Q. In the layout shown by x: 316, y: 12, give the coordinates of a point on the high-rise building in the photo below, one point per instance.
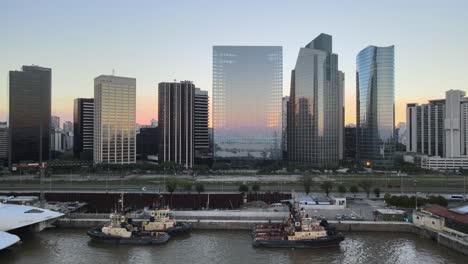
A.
x: 67, y: 127
x: 30, y: 108
x: 201, y: 138
x: 247, y: 93
x: 375, y: 106
x: 147, y: 142
x: 154, y: 123
x: 55, y: 122
x: 350, y: 143
x: 315, y: 119
x: 440, y: 127
x: 83, y: 128
x: 341, y: 117
x: 3, y: 143
x: 114, y: 119
x: 284, y: 123
x: 176, y: 122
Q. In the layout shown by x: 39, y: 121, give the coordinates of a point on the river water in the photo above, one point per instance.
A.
x: 74, y: 246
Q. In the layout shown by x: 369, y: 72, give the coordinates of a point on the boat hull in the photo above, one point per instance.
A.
x: 98, y: 235
x: 329, y: 241
x: 179, y: 229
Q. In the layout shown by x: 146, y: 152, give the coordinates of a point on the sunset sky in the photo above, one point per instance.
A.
x: 156, y: 41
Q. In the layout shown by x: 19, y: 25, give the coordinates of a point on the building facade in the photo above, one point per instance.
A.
x: 176, y: 122
x: 114, y: 120
x: 284, y: 129
x: 83, y: 128
x: 55, y: 122
x: 3, y: 143
x: 375, y: 113
x: 29, y: 114
x: 201, y: 117
x: 350, y: 143
x: 440, y: 127
x: 247, y: 94
x: 315, y: 120
x: 147, y: 142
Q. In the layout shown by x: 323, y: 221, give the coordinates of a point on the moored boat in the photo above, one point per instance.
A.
x: 161, y: 221
x: 120, y: 230
x: 297, y: 232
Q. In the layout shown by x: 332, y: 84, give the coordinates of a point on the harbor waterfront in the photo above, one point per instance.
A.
x: 63, y: 245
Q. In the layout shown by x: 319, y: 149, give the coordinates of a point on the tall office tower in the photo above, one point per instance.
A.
x: 176, y: 122
x: 315, y: 120
x: 201, y: 138
x: 83, y: 128
x: 56, y: 142
x: 341, y: 118
x: 114, y: 119
x: 67, y: 127
x: 375, y: 106
x: 154, y: 123
x: 247, y: 93
x: 30, y: 124
x: 3, y: 143
x: 147, y: 142
x: 55, y: 122
x: 284, y: 124
x: 440, y: 127
x: 350, y: 143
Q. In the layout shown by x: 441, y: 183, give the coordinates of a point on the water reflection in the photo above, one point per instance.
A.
x: 73, y: 246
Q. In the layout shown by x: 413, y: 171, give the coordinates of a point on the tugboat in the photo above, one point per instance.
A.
x: 161, y: 221
x: 121, y: 230
x: 297, y: 232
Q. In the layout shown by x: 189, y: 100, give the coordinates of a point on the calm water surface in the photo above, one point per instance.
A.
x: 73, y: 246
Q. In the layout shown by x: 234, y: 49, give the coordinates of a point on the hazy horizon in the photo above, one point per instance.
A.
x: 156, y: 41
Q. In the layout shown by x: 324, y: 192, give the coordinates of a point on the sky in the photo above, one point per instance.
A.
x: 157, y: 41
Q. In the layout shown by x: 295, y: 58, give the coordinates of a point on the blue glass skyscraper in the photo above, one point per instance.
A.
x: 375, y: 113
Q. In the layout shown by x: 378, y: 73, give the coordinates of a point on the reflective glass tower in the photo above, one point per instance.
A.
x: 315, y: 114
x: 247, y: 94
x: 375, y: 113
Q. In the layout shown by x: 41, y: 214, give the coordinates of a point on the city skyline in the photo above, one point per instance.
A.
x: 421, y: 28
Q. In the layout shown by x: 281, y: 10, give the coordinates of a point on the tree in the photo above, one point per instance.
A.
x: 307, y: 182
x: 354, y: 189
x: 171, y: 186
x: 255, y: 189
x: 243, y: 189
x: 187, y: 185
x: 377, y: 192
x: 326, y: 186
x: 200, y: 187
x: 342, y: 189
x: 366, y: 186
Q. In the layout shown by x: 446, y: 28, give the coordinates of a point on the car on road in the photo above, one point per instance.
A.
x: 353, y: 217
x: 338, y: 217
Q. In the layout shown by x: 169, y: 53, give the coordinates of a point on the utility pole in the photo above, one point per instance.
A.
x: 415, y: 195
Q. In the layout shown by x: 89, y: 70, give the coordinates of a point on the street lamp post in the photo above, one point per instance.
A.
x: 415, y: 194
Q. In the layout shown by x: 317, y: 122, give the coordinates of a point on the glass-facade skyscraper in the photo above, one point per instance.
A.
x: 315, y: 114
x: 114, y: 119
x: 375, y: 113
x: 30, y: 108
x: 247, y: 95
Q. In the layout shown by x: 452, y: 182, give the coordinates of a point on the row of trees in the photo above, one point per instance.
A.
x: 405, y: 201
x: 327, y: 187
